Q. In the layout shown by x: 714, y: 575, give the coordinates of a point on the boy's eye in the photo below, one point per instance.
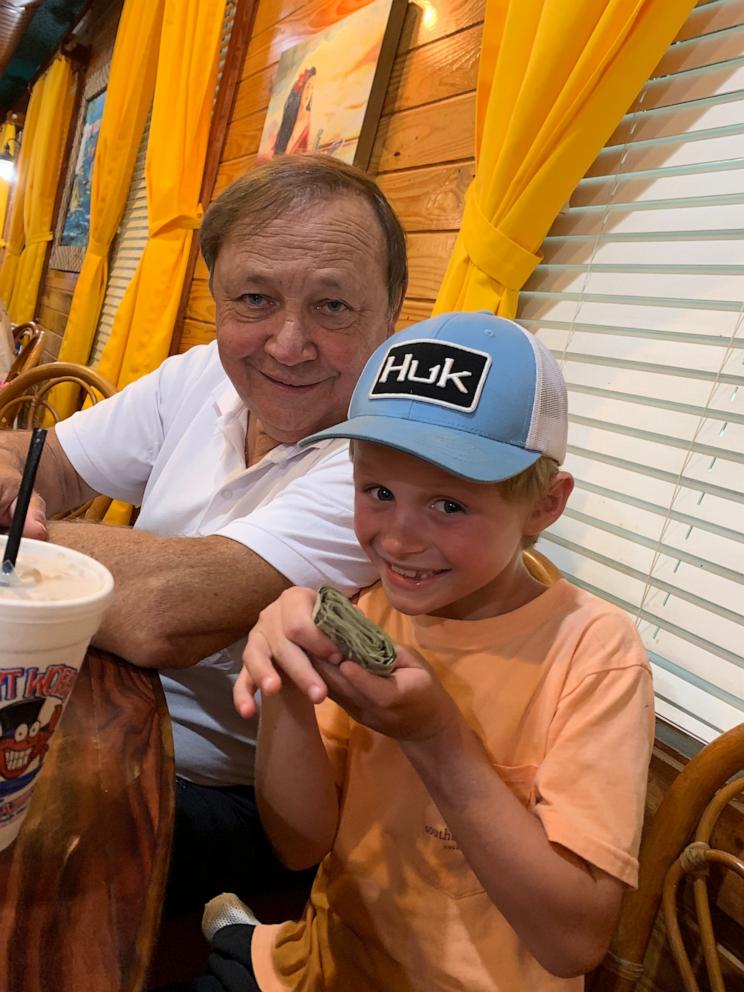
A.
x: 381, y: 493
x: 448, y: 506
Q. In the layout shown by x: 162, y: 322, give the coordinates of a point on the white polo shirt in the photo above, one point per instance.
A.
x: 173, y: 443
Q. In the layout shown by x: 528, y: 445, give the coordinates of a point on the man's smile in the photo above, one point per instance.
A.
x: 294, y: 386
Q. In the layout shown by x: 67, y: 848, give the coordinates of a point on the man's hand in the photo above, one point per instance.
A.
x: 10, y: 481
x: 409, y: 705
x: 58, y: 486
x: 284, y: 640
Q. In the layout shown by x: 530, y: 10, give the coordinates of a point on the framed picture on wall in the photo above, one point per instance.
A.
x: 73, y: 222
x: 329, y: 90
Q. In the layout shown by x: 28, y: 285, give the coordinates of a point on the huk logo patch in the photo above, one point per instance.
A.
x: 434, y: 372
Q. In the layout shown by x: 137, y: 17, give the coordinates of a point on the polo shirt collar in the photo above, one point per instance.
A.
x: 233, y: 420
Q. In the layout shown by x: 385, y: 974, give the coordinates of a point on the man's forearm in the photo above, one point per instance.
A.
x: 176, y: 599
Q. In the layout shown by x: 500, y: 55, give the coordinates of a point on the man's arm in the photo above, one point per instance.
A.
x: 176, y: 599
x: 58, y: 486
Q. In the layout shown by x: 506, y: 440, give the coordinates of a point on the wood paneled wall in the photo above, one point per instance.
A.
x: 423, y: 151
x: 98, y: 30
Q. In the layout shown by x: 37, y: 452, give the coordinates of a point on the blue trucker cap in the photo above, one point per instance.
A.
x: 472, y: 393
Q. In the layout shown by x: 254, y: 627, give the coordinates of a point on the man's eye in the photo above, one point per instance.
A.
x: 254, y: 299
x: 381, y: 493
x: 448, y: 506
x: 333, y: 307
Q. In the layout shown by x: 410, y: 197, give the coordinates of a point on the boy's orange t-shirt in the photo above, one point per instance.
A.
x: 559, y: 692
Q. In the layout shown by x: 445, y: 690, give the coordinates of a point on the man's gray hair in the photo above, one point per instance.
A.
x: 273, y: 188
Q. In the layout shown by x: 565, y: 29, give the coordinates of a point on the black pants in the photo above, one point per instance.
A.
x: 219, y: 846
x: 230, y: 968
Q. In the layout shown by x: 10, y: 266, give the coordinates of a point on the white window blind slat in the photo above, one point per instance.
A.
x: 669, y: 153
x: 704, y: 49
x: 695, y: 84
x: 693, y: 706
x: 627, y: 312
x: 637, y: 282
x: 709, y: 17
x: 641, y: 299
x: 703, y: 184
x: 674, y: 255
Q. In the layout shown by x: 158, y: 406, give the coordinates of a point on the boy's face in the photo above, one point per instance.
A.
x: 443, y: 546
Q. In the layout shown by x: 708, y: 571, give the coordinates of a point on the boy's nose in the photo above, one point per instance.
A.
x: 402, y: 539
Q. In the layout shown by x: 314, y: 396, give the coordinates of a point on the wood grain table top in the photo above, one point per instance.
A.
x: 81, y: 889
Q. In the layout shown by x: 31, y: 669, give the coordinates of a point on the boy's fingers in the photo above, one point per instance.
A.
x: 359, y: 687
x: 406, y: 658
x: 311, y: 639
x: 257, y: 661
x: 373, y: 688
x: 296, y: 665
x: 339, y: 687
x: 262, y: 661
x: 243, y: 693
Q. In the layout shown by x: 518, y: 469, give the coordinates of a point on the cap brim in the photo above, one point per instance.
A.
x: 470, y: 456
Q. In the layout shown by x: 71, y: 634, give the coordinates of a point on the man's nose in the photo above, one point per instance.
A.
x: 290, y: 344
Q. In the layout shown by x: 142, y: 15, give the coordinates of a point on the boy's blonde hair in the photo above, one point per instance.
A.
x: 529, y: 487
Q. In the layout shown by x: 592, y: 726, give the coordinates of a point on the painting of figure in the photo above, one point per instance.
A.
x: 77, y: 219
x: 328, y: 91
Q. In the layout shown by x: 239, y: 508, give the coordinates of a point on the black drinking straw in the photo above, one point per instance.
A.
x: 24, y: 498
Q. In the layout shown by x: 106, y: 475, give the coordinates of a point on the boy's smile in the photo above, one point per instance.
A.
x: 444, y: 546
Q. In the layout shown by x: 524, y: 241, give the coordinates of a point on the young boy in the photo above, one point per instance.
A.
x: 478, y: 813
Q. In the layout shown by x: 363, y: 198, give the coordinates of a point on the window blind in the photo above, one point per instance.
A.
x: 641, y: 299
x: 126, y: 251
x: 132, y: 235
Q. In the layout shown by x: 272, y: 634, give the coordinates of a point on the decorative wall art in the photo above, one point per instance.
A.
x: 73, y: 221
x: 329, y: 90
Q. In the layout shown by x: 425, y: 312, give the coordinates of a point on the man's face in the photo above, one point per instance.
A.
x: 301, y: 305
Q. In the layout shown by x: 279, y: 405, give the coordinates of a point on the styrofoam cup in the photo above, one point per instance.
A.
x: 42, y: 646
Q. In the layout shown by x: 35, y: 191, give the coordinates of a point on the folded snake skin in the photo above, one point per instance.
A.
x: 354, y: 635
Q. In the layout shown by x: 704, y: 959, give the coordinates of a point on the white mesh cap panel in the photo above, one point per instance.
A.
x: 549, y: 423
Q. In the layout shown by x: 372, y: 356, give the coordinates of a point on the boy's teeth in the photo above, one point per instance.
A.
x: 410, y: 573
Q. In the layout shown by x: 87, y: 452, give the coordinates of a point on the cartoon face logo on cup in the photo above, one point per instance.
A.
x: 30, y: 708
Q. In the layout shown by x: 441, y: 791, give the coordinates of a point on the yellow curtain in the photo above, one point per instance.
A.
x: 177, y: 147
x: 7, y: 140
x: 15, y: 240
x: 554, y: 80
x: 129, y: 96
x: 176, y: 151
x: 45, y: 167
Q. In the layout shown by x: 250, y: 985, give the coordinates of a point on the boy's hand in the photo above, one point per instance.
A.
x: 279, y: 651
x: 409, y: 705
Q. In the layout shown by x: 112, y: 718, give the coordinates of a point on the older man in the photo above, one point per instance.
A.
x: 307, y: 269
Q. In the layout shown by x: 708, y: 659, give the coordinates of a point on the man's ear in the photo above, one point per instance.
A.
x: 550, y: 506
